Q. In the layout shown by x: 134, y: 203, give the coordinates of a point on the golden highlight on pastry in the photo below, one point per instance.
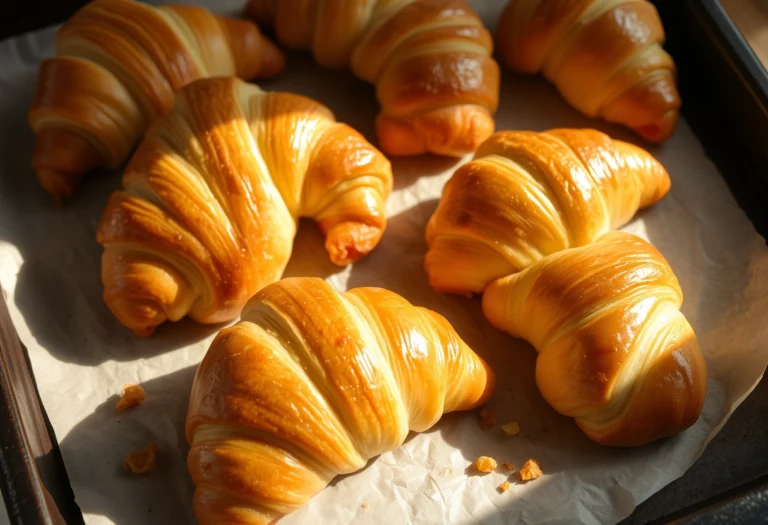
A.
x: 605, y: 57
x: 430, y: 61
x: 526, y: 195
x: 311, y: 384
x: 117, y: 66
x: 212, y: 197
x: 615, y: 352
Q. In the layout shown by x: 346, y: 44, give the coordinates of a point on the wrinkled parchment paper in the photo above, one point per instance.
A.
x: 49, y: 271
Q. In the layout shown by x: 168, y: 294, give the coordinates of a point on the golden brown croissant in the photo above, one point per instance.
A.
x: 604, y: 56
x: 117, y: 66
x: 312, y: 384
x: 615, y: 353
x: 213, y: 195
x: 429, y: 59
x: 528, y: 194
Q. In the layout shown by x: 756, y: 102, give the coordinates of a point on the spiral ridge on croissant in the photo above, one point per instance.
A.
x: 117, y: 66
x: 212, y: 197
x: 430, y: 60
x: 312, y: 384
x: 528, y: 194
x: 604, y: 56
x: 615, y: 352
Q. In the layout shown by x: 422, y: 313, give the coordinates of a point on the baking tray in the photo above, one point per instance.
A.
x: 725, y: 92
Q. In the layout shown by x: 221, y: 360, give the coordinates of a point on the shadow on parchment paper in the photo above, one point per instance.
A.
x: 94, y: 451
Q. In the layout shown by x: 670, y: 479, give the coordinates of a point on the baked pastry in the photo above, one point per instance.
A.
x: 312, y: 384
x: 604, y: 57
x: 213, y: 194
x: 615, y: 352
x: 430, y: 61
x: 529, y: 194
x: 117, y: 66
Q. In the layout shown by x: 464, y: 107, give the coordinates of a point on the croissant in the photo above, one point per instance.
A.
x: 117, y: 66
x: 605, y: 57
x: 528, y: 194
x: 213, y: 194
x: 615, y: 353
x: 312, y: 384
x: 430, y: 61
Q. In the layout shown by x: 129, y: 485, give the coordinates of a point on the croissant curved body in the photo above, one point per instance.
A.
x: 615, y: 353
x: 213, y: 194
x: 604, y: 56
x: 312, y: 384
x: 117, y: 66
x: 430, y: 61
x: 529, y: 194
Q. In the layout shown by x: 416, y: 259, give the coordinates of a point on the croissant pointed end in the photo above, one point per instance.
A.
x: 58, y: 184
x: 349, y: 241
x: 61, y: 158
x: 661, y: 129
x: 255, y: 55
x: 667, y: 401
x: 453, y: 131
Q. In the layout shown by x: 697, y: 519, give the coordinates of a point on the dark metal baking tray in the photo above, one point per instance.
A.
x: 725, y: 92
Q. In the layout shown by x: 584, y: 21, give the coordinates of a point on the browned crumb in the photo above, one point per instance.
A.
x: 364, y: 505
x: 530, y: 470
x: 511, y: 429
x: 142, y: 461
x: 508, y: 466
x: 503, y: 487
x: 488, y: 418
x: 132, y: 396
x: 485, y: 464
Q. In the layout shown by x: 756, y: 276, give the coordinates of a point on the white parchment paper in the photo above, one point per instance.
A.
x: 49, y: 272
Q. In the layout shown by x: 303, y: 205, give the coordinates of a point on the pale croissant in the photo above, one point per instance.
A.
x: 615, y: 352
x: 529, y: 194
x: 604, y: 56
x: 312, y: 384
x: 117, y: 66
x: 430, y: 61
x: 213, y: 195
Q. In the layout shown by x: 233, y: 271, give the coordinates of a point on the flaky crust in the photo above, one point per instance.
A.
x: 312, y: 384
x: 430, y: 61
x: 615, y: 352
x: 117, y: 66
x: 604, y: 56
x: 213, y: 194
x: 528, y: 194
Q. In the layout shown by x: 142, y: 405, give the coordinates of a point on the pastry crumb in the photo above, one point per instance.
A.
x: 446, y: 471
x: 364, y: 505
x: 485, y: 464
x: 512, y: 428
x: 508, y: 466
x: 530, y: 470
x: 131, y: 396
x: 142, y: 461
x: 503, y: 487
x: 488, y: 418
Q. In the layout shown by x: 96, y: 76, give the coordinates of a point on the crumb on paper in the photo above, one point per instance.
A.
x: 487, y: 418
x: 503, y: 487
x: 364, y: 505
x: 512, y: 428
x: 530, y: 470
x: 142, y: 461
x: 508, y: 466
x: 446, y: 471
x: 131, y: 396
x: 485, y: 464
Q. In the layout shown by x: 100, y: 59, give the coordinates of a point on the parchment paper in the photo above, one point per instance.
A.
x: 49, y: 271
